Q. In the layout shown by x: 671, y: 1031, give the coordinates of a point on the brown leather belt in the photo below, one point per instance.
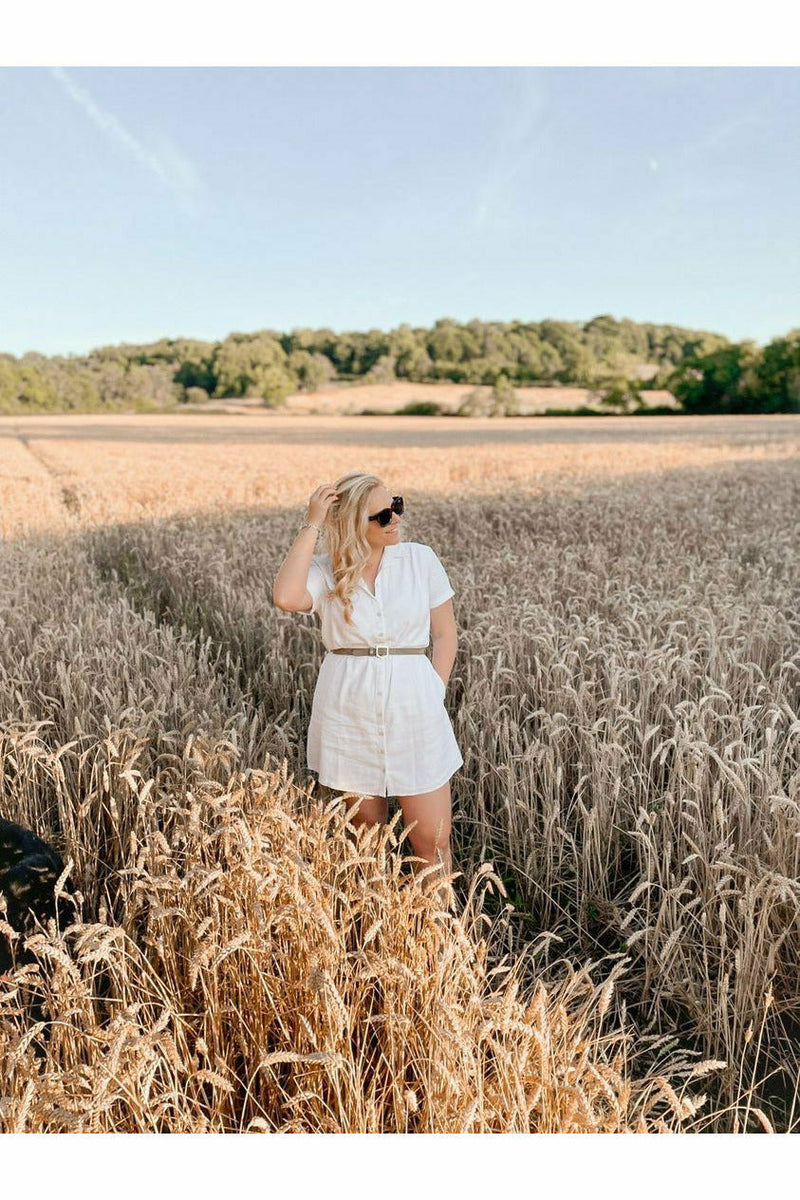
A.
x: 380, y: 651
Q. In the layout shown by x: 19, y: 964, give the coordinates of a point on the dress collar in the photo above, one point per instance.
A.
x: 391, y: 554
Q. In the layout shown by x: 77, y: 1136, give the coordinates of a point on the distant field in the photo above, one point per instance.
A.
x: 343, y: 399
x: 626, y: 825
x: 65, y: 472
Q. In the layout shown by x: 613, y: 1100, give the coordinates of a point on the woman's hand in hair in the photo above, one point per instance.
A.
x: 320, y: 501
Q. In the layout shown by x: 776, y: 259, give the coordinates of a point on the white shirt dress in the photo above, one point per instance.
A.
x: 378, y: 723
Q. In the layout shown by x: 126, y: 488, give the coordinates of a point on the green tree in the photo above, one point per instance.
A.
x: 777, y: 375
x: 313, y: 370
x: 622, y: 394
x: 343, y: 353
x: 503, y: 398
x: 382, y: 370
x: 253, y: 366
x: 273, y: 384
x: 722, y: 381
x: 407, y: 347
x: 444, y: 342
x: 372, y: 347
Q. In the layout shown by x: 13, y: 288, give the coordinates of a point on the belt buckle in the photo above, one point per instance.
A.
x: 385, y: 646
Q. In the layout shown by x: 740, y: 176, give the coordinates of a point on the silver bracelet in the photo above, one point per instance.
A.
x: 309, y: 525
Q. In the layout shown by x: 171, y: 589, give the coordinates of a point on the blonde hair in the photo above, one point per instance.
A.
x: 345, y: 530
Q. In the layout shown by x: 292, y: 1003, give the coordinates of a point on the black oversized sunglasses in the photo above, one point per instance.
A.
x: 385, y: 515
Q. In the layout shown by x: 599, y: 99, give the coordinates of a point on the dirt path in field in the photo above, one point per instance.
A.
x: 32, y: 494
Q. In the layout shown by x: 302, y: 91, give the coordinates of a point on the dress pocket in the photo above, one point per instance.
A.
x: 439, y: 680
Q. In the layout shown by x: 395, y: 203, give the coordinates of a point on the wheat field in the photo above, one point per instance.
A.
x: 624, y: 955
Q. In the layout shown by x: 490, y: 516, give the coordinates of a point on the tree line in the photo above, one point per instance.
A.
x: 618, y: 358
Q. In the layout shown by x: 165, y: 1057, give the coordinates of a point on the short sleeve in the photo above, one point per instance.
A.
x: 317, y: 585
x: 439, y: 588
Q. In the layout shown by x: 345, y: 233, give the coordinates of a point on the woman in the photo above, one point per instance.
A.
x: 378, y: 725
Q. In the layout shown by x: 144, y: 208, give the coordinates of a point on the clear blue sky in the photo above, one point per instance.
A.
x: 137, y: 203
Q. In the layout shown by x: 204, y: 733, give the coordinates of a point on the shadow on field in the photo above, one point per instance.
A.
x: 414, y: 432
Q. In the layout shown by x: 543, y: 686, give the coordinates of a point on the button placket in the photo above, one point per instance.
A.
x: 382, y: 678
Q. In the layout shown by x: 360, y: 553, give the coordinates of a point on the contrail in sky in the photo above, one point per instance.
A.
x: 176, y: 172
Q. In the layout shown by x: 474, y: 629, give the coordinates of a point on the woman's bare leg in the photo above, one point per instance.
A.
x: 372, y: 810
x: 430, y: 837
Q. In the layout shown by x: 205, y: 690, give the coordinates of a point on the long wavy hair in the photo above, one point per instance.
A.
x: 345, y: 531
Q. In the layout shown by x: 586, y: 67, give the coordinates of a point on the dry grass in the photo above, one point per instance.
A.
x: 627, y: 700
x: 269, y: 970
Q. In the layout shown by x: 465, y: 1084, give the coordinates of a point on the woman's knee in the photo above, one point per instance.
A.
x: 430, y: 835
x: 430, y: 845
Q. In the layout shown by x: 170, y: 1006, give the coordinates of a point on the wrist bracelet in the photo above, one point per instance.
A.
x: 309, y: 525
